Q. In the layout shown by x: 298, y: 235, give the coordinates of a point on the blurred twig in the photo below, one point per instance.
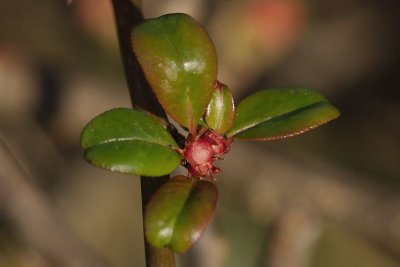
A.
x: 335, y: 194
x: 36, y: 219
x: 295, y: 233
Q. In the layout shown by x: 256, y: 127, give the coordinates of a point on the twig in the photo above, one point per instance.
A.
x: 332, y: 193
x: 36, y: 219
x: 295, y: 233
x: 127, y: 14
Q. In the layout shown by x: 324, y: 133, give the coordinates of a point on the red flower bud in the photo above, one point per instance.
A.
x: 201, y: 151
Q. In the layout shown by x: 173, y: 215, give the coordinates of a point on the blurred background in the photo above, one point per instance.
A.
x: 328, y: 198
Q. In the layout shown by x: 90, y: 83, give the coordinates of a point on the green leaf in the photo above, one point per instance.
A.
x: 129, y: 141
x: 179, y: 212
x: 221, y: 109
x: 280, y: 113
x: 180, y: 63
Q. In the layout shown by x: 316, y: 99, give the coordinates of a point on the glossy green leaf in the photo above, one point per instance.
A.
x: 180, y: 63
x: 179, y: 212
x: 129, y: 141
x: 221, y: 109
x: 280, y: 113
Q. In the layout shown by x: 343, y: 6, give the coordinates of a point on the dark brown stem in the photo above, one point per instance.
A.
x: 127, y: 15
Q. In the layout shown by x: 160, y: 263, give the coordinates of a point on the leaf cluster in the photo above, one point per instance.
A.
x: 180, y: 63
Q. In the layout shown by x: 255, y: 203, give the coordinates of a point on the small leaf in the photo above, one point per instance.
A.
x: 179, y: 212
x: 221, y: 109
x: 280, y: 113
x: 180, y: 63
x: 129, y: 141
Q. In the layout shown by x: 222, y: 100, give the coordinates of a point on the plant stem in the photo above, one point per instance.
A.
x: 127, y: 15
